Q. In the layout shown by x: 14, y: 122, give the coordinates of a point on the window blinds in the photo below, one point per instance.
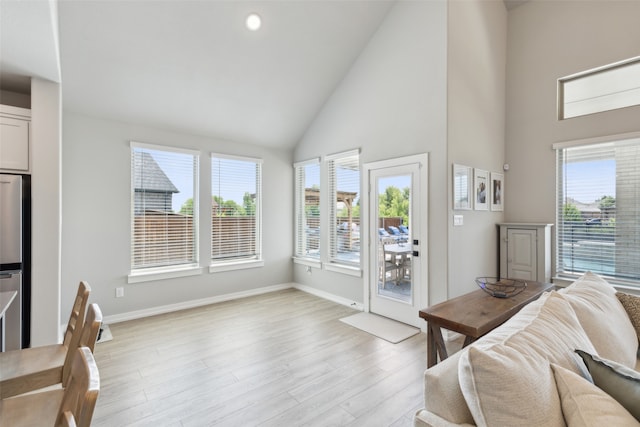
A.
x: 598, y: 214
x: 163, y: 219
x: 236, y: 229
x: 307, y: 207
x: 344, y: 207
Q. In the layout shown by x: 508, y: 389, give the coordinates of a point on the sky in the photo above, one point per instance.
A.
x: 599, y: 177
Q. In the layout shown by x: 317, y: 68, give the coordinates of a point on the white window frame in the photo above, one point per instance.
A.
x: 145, y: 274
x: 334, y: 262
x: 605, y: 88
x: 560, y: 147
x: 242, y: 262
x: 300, y: 217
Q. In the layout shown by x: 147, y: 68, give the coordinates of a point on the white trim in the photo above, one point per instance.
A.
x: 599, y: 69
x: 308, y: 262
x: 145, y: 145
x: 236, y: 265
x: 314, y: 161
x: 153, y: 311
x: 164, y: 273
x: 331, y: 297
x: 351, y: 270
x: 233, y: 157
x: 348, y: 153
x: 596, y: 140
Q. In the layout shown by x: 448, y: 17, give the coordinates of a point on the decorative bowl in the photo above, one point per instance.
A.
x: 501, y: 288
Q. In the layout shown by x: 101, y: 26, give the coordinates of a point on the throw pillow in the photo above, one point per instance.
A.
x: 505, y: 376
x: 585, y: 405
x: 603, y: 318
x: 620, y: 382
x: 631, y: 304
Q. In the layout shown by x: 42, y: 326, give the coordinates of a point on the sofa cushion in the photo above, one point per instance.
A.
x: 603, y: 318
x: 442, y: 393
x: 631, y: 304
x: 505, y: 377
x: 585, y: 405
x: 620, y: 382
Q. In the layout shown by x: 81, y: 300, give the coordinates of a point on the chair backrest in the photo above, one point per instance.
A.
x: 91, y: 328
x: 81, y: 393
x: 76, y: 319
x: 66, y: 420
x: 88, y: 336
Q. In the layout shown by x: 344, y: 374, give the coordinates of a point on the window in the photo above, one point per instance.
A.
x: 344, y: 207
x: 598, y: 213
x: 307, y: 206
x: 164, y: 220
x: 603, y: 89
x: 236, y: 228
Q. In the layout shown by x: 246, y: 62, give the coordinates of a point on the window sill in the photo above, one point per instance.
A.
x: 308, y: 262
x: 344, y: 269
x: 235, y: 265
x: 163, y: 273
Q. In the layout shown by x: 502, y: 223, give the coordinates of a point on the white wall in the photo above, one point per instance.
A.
x: 391, y: 104
x: 46, y: 218
x: 476, y: 121
x: 96, y: 214
x: 547, y: 41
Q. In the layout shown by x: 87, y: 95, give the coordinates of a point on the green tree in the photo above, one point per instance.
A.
x: 187, y: 207
x: 394, y: 203
x: 249, y: 204
x: 606, y: 204
x: 571, y: 213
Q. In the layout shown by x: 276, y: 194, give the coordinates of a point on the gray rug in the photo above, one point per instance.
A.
x: 381, y: 327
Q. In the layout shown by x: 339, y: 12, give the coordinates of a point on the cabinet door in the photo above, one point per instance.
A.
x: 521, y: 254
x: 14, y: 144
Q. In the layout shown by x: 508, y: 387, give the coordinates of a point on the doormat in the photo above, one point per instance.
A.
x: 104, y: 334
x: 381, y: 327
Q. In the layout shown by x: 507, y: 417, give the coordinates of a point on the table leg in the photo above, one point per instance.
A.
x: 435, y: 345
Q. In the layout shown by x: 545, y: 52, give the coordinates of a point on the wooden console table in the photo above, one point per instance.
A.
x: 473, y: 315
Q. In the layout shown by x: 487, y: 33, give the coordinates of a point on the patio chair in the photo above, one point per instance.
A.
x: 396, y: 234
x: 49, y: 408
x: 403, y: 229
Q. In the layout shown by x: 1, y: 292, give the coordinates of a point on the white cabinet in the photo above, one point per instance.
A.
x: 525, y: 251
x: 14, y: 138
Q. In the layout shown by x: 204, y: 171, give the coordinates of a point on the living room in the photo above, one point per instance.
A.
x: 470, y: 83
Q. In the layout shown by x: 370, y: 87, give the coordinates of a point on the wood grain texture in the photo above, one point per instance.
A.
x: 279, y: 359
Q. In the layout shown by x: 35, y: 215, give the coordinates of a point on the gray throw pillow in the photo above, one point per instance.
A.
x: 618, y: 381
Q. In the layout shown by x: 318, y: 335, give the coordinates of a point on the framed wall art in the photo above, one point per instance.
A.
x: 497, y: 191
x: 462, y: 187
x: 481, y: 189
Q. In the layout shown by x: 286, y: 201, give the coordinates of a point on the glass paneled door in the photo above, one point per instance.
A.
x: 396, y: 258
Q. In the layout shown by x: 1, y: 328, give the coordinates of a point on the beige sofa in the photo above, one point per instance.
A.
x: 526, y: 372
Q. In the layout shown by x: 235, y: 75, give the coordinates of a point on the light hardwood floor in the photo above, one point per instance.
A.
x: 279, y: 359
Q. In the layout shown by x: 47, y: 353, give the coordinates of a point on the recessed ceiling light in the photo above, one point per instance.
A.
x: 254, y: 22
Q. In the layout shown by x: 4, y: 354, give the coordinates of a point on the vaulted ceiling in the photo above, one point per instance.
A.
x: 191, y: 65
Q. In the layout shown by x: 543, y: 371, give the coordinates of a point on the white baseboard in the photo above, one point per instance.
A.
x: 329, y: 296
x: 138, y: 314
x: 153, y: 311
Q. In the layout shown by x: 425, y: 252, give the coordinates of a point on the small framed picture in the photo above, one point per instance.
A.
x: 481, y: 189
x: 497, y: 191
x: 462, y: 187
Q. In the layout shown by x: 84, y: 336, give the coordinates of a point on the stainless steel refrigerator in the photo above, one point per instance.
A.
x: 13, y: 204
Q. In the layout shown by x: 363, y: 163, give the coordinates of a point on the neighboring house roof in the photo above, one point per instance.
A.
x: 153, y: 178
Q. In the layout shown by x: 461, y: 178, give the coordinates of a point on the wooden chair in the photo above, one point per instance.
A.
x: 75, y: 403
x: 33, y: 368
x: 66, y: 420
